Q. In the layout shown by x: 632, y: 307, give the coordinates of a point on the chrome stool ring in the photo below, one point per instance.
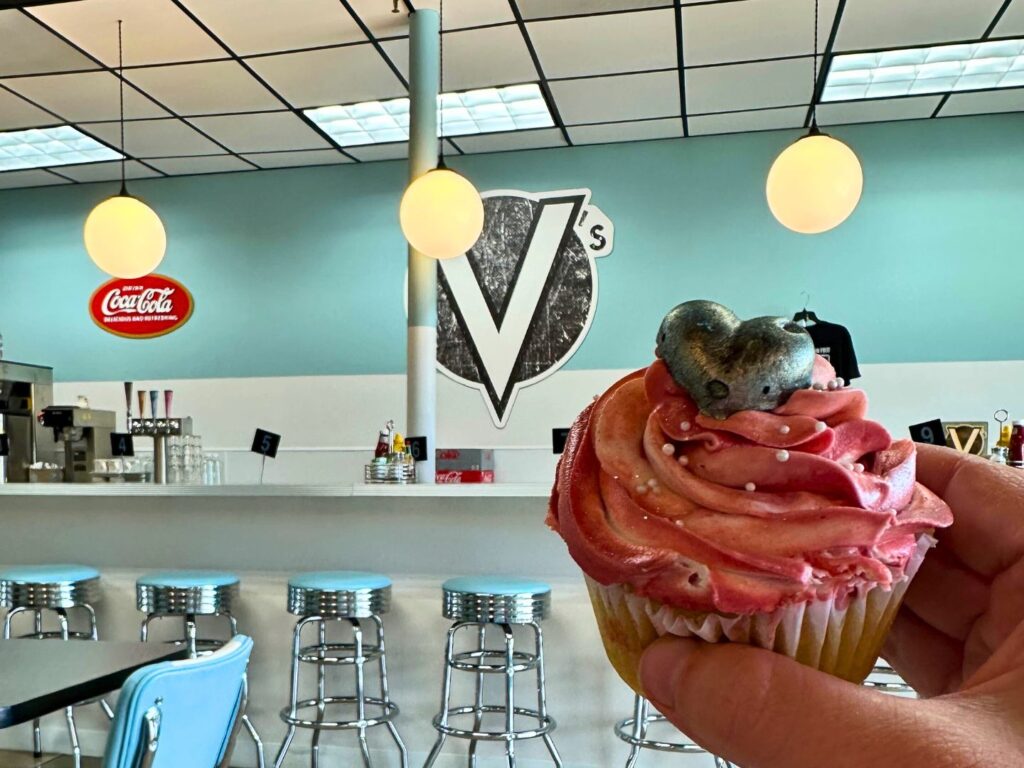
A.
x: 545, y: 724
x: 203, y: 600
x: 388, y: 712
x: 52, y: 595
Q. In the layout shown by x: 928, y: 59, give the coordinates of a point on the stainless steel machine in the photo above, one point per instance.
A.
x: 160, y: 430
x: 85, y: 435
x: 25, y: 390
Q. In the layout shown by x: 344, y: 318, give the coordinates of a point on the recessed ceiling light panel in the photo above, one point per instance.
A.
x: 49, y: 147
x: 487, y: 110
x: 915, y: 71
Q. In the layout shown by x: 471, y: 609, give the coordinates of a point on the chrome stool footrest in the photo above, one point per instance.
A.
x: 545, y: 723
x: 624, y: 730
x: 345, y: 653
x: 388, y: 712
x: 460, y: 661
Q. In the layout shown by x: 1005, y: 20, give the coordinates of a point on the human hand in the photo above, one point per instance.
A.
x: 959, y: 638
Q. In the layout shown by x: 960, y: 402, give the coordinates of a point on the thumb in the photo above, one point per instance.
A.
x: 763, y: 710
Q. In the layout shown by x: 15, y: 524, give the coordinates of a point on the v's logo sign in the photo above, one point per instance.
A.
x: 502, y: 303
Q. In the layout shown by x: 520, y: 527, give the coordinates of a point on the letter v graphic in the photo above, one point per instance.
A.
x: 498, y: 337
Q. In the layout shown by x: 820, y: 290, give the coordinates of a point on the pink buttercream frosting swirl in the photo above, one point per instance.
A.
x: 741, y: 515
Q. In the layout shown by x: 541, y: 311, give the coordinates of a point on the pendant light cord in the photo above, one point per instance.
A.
x: 120, y: 80
x: 440, y: 96
x: 814, y: 81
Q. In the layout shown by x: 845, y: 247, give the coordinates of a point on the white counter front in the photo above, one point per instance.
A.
x: 417, y: 535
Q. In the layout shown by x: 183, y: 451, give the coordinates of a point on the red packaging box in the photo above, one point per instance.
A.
x: 455, y: 476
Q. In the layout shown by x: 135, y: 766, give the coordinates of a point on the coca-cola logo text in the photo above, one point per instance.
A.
x: 141, y: 308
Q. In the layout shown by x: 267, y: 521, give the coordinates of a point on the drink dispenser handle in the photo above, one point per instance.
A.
x: 142, y: 403
x: 153, y: 395
x: 168, y: 400
x: 128, y: 401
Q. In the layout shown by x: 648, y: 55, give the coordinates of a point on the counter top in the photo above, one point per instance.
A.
x: 342, y: 491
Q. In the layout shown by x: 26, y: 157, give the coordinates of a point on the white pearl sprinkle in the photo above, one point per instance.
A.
x: 645, y: 517
x: 782, y: 456
x: 818, y: 387
x: 685, y: 426
x: 819, y: 426
x: 750, y: 487
x: 668, y: 449
x: 833, y: 384
x: 848, y: 465
x: 680, y: 522
x: 652, y: 483
x: 641, y: 489
x: 784, y: 429
x: 683, y: 461
x: 858, y: 467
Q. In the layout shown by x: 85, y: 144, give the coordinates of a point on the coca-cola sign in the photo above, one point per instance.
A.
x: 142, y: 307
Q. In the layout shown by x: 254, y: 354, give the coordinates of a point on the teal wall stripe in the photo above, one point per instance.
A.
x: 300, y: 272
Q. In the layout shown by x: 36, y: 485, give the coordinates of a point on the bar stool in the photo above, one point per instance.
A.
x: 634, y: 731
x: 483, y: 602
x: 884, y: 678
x: 184, y: 596
x: 345, y: 597
x: 59, y: 589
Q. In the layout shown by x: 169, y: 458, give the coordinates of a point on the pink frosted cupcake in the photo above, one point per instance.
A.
x: 734, y: 491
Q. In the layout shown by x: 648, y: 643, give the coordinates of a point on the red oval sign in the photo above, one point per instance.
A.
x: 141, y: 308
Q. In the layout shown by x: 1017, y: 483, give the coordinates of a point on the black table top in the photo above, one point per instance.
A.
x: 38, y: 677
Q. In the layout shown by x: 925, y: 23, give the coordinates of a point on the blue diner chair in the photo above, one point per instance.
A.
x: 181, y: 713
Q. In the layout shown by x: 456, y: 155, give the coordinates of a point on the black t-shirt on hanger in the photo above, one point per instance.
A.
x: 833, y: 342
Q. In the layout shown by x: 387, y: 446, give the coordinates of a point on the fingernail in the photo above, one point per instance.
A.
x: 659, y: 668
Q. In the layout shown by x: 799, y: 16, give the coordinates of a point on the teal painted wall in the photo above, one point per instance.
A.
x: 300, y: 271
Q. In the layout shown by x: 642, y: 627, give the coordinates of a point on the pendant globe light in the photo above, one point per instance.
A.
x: 815, y: 183
x: 123, y: 236
x: 441, y: 213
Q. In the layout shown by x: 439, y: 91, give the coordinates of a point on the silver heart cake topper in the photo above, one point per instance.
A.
x: 729, y: 365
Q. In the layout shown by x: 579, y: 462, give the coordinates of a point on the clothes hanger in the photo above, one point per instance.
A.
x: 805, y: 316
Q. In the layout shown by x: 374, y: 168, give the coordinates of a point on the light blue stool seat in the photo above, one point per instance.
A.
x: 345, y: 594
x: 48, y: 586
x: 186, y: 592
x: 496, y: 599
x: 181, y: 713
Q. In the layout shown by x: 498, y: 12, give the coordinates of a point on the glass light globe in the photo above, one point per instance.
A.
x: 124, y: 237
x: 814, y: 184
x: 442, y: 214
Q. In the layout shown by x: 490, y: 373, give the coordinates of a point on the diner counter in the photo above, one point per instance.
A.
x: 419, y: 535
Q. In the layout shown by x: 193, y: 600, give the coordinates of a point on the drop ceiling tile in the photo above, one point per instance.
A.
x: 671, y: 128
x: 373, y: 152
x: 155, y: 31
x: 762, y: 29
x: 877, y: 110
x: 1011, y: 100
x: 539, y: 9
x: 888, y: 24
x: 155, y: 138
x: 739, y: 122
x: 625, y: 97
x: 262, y: 26
x: 84, y: 96
x: 476, y: 58
x: 264, y: 132
x: 458, y: 14
x: 595, y: 45
x: 107, y: 171
x: 15, y: 112
x: 293, y: 159
x: 333, y: 76
x: 1012, y: 22
x: 204, y: 89
x: 504, y: 142
x: 181, y: 166
x: 748, y: 86
x: 34, y: 178
x: 30, y: 49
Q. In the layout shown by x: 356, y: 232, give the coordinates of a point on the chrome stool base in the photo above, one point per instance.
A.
x: 633, y: 731
x: 60, y: 608
x: 324, y: 654
x: 482, y: 661
x: 159, y: 598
